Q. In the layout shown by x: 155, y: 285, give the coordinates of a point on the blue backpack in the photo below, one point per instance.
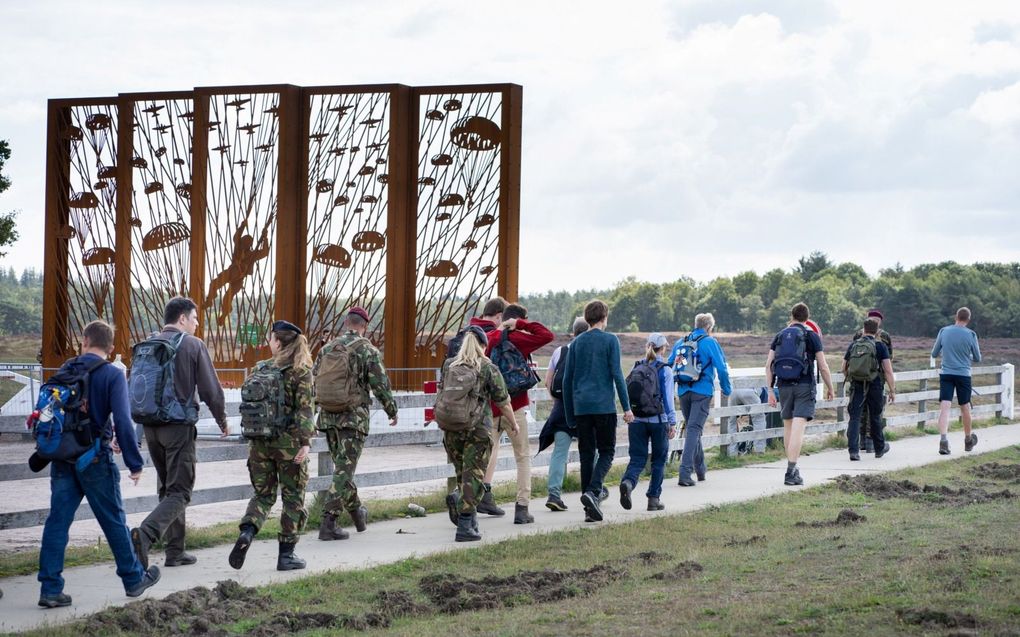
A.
x: 513, y: 366
x: 60, y: 424
x: 151, y: 384
x: 791, y: 360
x: 686, y: 363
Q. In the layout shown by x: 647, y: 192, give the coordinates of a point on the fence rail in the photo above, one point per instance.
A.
x: 997, y: 397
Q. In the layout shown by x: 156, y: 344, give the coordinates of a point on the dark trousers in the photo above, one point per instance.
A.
x: 595, y: 433
x: 172, y: 451
x: 100, y: 483
x: 695, y: 408
x: 865, y: 395
x: 641, y: 435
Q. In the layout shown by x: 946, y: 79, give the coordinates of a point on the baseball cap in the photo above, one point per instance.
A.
x: 657, y: 340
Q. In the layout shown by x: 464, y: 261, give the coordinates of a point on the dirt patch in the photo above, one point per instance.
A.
x: 194, y: 611
x: 965, y: 551
x: 681, y: 571
x: 754, y: 539
x: 452, y: 594
x: 929, y: 618
x: 647, y: 557
x: 846, y: 517
x: 883, y: 488
x: 287, y: 622
x: 400, y: 603
x: 997, y: 471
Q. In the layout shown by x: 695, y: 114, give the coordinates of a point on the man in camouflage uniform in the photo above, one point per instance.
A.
x: 346, y: 431
x: 867, y: 445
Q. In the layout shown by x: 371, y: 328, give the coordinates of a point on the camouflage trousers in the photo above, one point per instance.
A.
x: 345, y: 445
x: 269, y: 468
x: 468, y: 451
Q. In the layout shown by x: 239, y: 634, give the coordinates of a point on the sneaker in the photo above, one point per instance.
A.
x: 854, y: 455
x: 793, y: 478
x: 184, y: 559
x: 148, y: 580
x: 591, y: 506
x: 554, y: 503
x: 885, y: 450
x: 686, y: 482
x: 54, y: 601
x: 625, y: 490
x: 701, y: 477
x: 944, y: 448
x: 588, y: 518
x: 604, y: 494
x: 969, y: 442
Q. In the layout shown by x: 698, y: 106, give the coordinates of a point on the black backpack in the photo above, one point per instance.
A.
x: 556, y: 391
x: 151, y: 384
x: 643, y: 389
x: 60, y: 424
x: 515, y: 368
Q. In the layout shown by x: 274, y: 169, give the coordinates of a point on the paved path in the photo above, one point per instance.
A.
x: 96, y: 587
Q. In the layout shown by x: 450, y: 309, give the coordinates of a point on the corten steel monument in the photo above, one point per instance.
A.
x: 282, y: 201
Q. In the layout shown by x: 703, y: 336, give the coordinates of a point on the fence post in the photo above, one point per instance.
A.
x: 921, y: 406
x: 1007, y: 379
x: 724, y: 425
x: 840, y: 393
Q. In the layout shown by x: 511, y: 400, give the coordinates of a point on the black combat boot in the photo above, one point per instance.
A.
x: 287, y: 561
x: 329, y: 530
x: 241, y: 546
x: 360, y: 518
x: 488, y: 504
x: 521, y: 515
x: 466, y: 531
x: 453, y: 506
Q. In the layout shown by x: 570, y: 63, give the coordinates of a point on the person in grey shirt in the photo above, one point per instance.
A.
x: 746, y: 396
x: 958, y: 345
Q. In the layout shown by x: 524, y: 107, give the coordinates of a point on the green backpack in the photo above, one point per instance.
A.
x: 862, y: 366
x: 459, y: 403
x: 263, y: 403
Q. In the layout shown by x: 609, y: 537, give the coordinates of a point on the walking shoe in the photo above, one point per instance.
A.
x: 701, y: 477
x: 465, y: 531
x: 141, y: 543
x: 488, y: 506
x: 885, y: 450
x: 148, y: 580
x: 588, y: 518
x: 287, y: 561
x: 793, y: 478
x: 869, y: 446
x: 453, y: 506
x: 944, y: 448
x: 969, y: 442
x: 54, y: 601
x: 686, y: 482
x: 329, y: 530
x: 241, y: 546
x: 591, y: 506
x: 604, y: 494
x: 655, y: 505
x: 625, y: 490
x: 360, y: 518
x: 554, y: 503
x: 854, y: 455
x: 521, y: 515
x: 184, y: 559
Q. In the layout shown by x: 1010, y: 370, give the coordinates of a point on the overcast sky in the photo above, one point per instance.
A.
x: 661, y: 139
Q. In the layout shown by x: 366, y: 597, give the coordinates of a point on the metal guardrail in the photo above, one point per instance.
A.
x: 999, y: 395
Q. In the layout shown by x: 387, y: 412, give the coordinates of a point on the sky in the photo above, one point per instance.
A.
x: 695, y: 138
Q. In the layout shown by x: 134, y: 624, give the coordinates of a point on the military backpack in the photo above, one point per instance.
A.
x: 338, y: 377
x: 264, y: 403
x: 862, y: 365
x: 459, y: 402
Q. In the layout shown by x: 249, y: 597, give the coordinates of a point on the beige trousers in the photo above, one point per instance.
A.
x: 522, y: 452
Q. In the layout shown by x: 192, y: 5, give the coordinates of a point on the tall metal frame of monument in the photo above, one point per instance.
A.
x: 279, y: 201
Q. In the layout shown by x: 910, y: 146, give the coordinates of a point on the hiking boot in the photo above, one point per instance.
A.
x: 329, y: 530
x: 554, y: 503
x: 148, y: 581
x: 793, y: 478
x: 885, y: 450
x: 184, y: 559
x: 655, y: 505
x: 591, y: 506
x: 604, y: 494
x: 969, y: 442
x: 854, y: 455
x: 54, y: 601
x: 944, y: 448
x: 466, y: 532
x: 287, y: 561
x: 686, y: 482
x: 360, y: 518
x: 453, y: 506
x: 241, y: 546
x: 488, y: 506
x: 521, y: 515
x: 625, y: 489
x: 141, y: 542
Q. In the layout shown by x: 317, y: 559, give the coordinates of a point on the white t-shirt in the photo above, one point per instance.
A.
x: 555, y: 358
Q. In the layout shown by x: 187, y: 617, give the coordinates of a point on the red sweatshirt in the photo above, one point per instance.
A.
x: 527, y: 337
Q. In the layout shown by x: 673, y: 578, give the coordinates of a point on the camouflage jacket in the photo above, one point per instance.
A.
x: 373, y: 377
x: 299, y: 392
x: 882, y: 336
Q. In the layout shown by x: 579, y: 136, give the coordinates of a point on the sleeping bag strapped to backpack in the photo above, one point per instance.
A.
x: 643, y: 389
x: 862, y: 365
x: 687, y: 364
x: 151, y: 384
x: 791, y: 359
x: 263, y: 403
x: 60, y: 423
x: 459, y: 403
x: 337, y: 377
x: 513, y: 366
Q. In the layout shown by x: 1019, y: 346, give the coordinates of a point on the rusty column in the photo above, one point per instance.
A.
x: 55, y: 342
x: 122, y: 231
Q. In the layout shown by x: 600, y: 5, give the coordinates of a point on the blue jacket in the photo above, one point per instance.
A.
x: 592, y: 372
x: 666, y: 391
x: 713, y: 362
x: 108, y: 396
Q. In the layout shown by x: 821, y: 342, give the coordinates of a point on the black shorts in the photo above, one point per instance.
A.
x: 950, y: 382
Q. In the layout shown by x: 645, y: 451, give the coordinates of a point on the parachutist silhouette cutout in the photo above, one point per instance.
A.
x: 242, y: 263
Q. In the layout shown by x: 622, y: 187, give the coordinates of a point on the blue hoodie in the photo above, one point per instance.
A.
x: 713, y: 362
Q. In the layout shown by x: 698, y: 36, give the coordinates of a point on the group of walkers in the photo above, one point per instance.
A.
x: 482, y: 394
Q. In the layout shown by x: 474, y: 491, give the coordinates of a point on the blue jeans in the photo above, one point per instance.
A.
x: 639, y: 435
x: 100, y: 483
x: 558, y: 462
x: 695, y: 410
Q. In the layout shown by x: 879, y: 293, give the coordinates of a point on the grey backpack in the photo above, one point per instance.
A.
x: 459, y: 403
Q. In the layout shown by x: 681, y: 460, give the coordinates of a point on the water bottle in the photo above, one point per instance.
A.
x: 415, y: 510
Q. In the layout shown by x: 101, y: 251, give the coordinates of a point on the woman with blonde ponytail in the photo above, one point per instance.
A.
x: 279, y: 457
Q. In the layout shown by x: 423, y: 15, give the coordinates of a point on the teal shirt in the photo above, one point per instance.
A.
x: 959, y: 348
x: 592, y: 373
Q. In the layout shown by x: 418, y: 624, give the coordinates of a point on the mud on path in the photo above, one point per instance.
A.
x: 882, y: 488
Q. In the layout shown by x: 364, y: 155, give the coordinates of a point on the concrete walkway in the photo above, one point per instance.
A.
x: 96, y: 587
